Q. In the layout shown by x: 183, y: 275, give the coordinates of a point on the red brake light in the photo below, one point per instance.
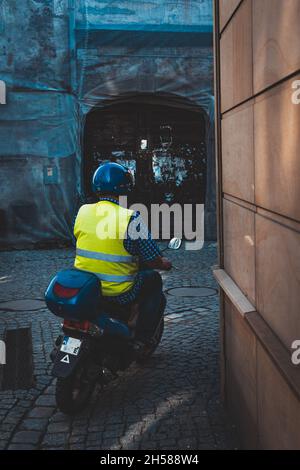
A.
x: 64, y: 292
x: 74, y: 325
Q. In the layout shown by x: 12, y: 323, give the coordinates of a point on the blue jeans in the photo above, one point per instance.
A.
x: 152, y: 303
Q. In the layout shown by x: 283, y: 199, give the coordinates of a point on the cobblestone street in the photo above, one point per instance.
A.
x: 172, y: 402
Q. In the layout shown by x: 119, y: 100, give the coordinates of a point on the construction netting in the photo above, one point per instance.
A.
x: 60, y: 60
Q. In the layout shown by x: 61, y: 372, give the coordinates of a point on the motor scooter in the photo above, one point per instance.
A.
x: 85, y: 351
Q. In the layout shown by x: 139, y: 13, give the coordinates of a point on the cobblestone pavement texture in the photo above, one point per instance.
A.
x: 172, y: 402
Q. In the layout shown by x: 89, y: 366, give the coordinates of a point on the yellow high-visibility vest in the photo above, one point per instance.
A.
x: 100, y: 230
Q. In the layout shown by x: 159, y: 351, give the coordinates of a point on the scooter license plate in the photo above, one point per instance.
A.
x: 71, y: 345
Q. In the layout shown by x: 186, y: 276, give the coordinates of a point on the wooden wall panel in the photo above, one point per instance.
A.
x: 240, y: 347
x: 260, y: 212
x: 278, y: 407
x: 277, y: 144
x: 278, y: 278
x: 239, y: 252
x: 236, y: 58
x: 276, y: 29
x: 227, y: 7
x: 238, y: 153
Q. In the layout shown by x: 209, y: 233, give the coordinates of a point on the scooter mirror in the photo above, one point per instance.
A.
x: 175, y: 244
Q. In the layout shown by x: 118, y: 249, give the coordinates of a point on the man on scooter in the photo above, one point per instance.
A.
x: 104, y: 247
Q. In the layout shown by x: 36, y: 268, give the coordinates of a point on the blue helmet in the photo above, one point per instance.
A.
x: 112, y: 178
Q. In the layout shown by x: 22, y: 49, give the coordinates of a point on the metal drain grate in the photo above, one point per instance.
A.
x: 192, y: 291
x: 18, y: 370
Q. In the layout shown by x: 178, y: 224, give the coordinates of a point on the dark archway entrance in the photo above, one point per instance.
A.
x: 163, y: 145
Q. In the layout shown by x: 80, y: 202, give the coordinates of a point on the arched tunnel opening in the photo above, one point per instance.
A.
x: 161, y: 142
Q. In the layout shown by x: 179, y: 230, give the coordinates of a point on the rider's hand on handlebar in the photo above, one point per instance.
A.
x: 160, y: 263
x: 166, y: 264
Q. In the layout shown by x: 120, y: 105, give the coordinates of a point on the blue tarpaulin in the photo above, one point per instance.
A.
x: 62, y: 58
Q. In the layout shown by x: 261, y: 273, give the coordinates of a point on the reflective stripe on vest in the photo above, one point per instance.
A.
x: 104, y: 256
x: 112, y: 277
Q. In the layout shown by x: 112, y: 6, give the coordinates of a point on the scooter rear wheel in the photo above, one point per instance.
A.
x: 73, y: 392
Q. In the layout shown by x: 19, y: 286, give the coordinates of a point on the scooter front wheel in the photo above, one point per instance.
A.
x: 73, y: 392
x: 150, y: 348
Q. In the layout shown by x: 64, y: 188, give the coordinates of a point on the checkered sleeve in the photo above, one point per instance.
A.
x: 139, y: 241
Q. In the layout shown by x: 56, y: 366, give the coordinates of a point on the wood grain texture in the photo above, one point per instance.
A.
x: 239, y: 247
x: 276, y: 28
x: 238, y: 152
x: 279, y: 354
x: 232, y: 291
x: 241, y: 375
x: 236, y: 58
x: 279, y: 219
x: 261, y: 218
x: 277, y: 144
x: 241, y: 202
x: 227, y: 7
x: 278, y: 407
x: 278, y: 278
